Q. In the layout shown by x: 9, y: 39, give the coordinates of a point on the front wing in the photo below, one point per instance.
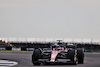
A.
x: 56, y: 61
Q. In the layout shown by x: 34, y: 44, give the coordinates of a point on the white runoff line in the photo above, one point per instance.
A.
x: 7, y: 63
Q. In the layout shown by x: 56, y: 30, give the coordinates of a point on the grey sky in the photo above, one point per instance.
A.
x: 50, y: 18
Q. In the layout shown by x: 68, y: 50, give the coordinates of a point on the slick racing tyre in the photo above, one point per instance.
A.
x: 72, y: 56
x: 80, y: 55
x: 36, y: 55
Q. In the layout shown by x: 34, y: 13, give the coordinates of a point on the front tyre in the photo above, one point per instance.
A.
x: 36, y: 55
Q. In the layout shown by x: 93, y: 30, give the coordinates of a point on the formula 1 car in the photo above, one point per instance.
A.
x: 58, y: 53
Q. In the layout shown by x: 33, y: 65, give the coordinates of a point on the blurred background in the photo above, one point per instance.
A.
x: 26, y: 23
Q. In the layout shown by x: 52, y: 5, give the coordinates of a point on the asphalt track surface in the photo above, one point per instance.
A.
x: 24, y: 59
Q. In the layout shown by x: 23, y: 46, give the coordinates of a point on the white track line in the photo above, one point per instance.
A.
x: 7, y: 63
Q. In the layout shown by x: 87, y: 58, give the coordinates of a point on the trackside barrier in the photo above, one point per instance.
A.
x: 5, y: 48
x: 16, y: 49
x: 87, y: 50
x: 95, y: 50
x: 1, y: 48
x: 29, y: 49
x: 23, y: 48
x: 91, y: 50
x: 26, y: 49
x: 8, y: 48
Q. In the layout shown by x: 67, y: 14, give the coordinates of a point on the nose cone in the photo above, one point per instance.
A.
x: 54, y: 55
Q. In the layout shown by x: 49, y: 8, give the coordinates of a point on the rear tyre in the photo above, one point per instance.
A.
x: 72, y: 56
x: 80, y: 55
x: 36, y: 55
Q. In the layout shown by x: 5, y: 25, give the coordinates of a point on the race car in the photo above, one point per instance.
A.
x: 58, y: 53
